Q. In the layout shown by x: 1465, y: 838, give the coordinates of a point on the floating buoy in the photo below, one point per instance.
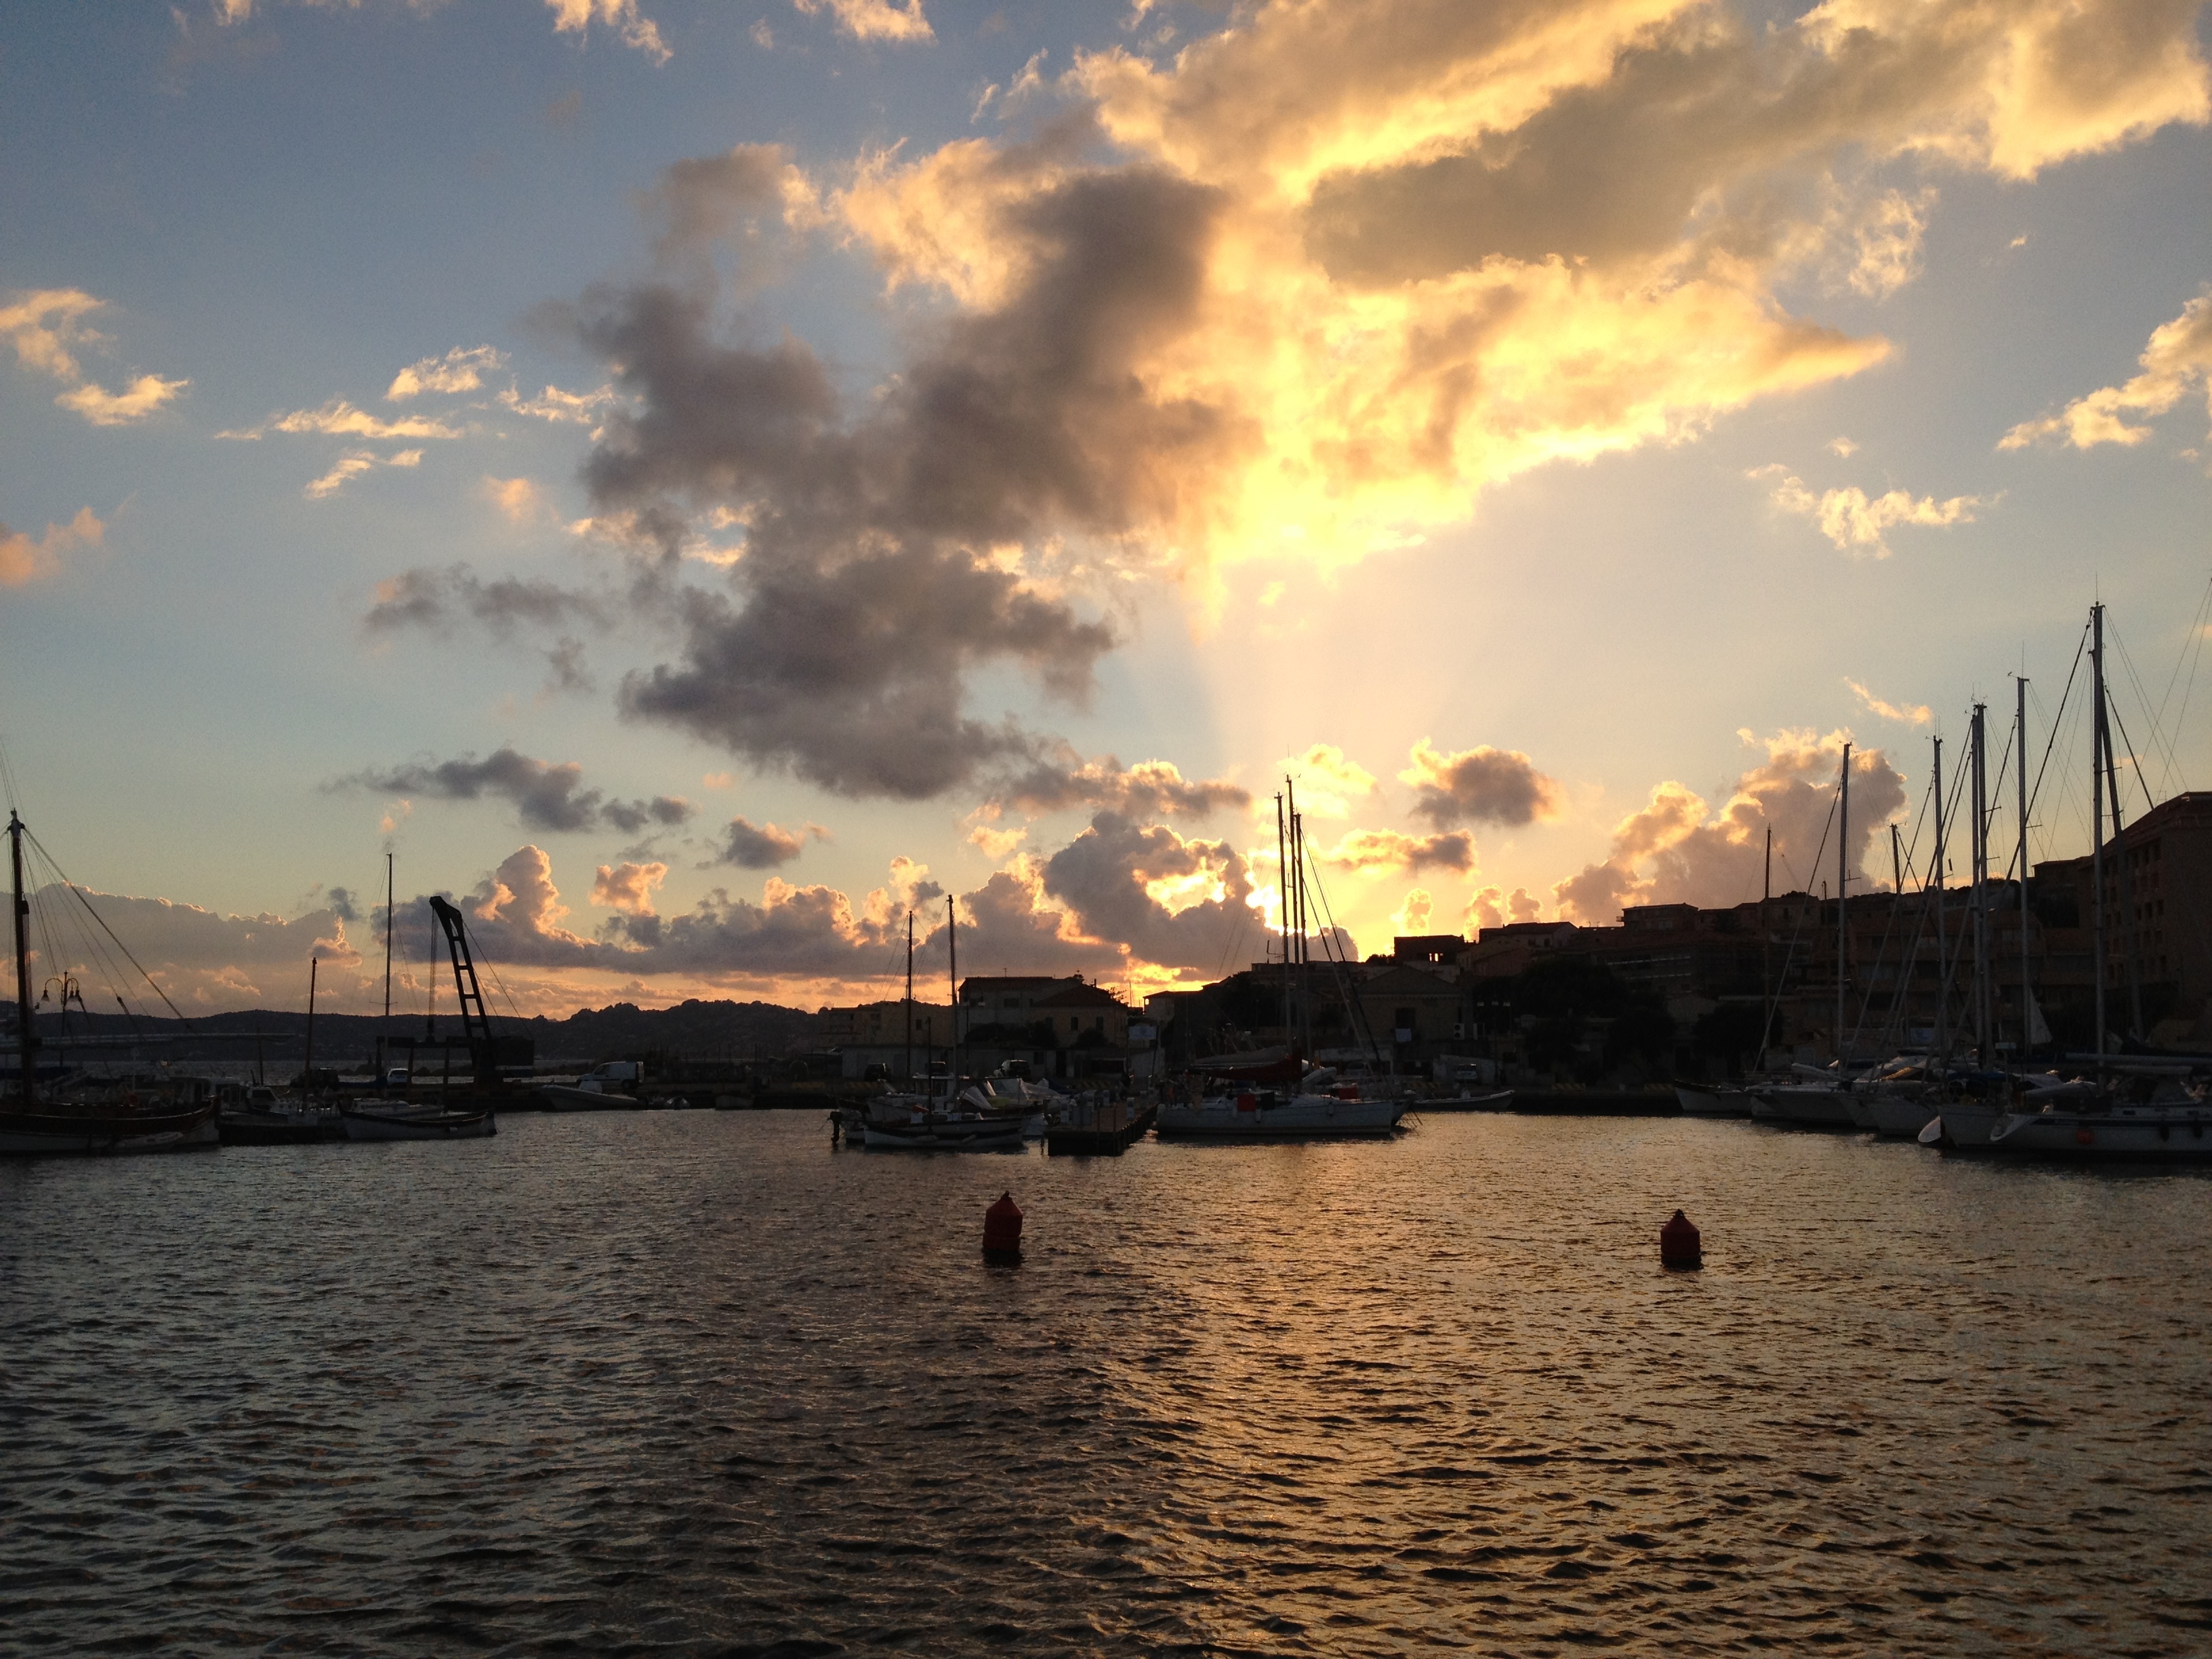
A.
x: 1002, y: 1230
x: 1678, y: 1243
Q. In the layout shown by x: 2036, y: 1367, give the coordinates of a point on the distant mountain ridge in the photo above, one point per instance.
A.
x: 694, y: 1029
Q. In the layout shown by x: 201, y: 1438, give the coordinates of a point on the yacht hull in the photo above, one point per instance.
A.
x: 1304, y: 1117
x: 2176, y: 1134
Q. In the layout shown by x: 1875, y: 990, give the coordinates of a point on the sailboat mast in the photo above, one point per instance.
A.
x: 953, y: 975
x: 1942, y: 934
x: 1980, y: 886
x: 386, y: 1028
x: 1766, y: 996
x: 910, y: 997
x: 2131, y: 934
x: 1299, y: 886
x: 1843, y: 871
x: 26, y: 1042
x: 2098, y: 738
x: 307, y: 1085
x: 2019, y: 791
x: 1283, y: 871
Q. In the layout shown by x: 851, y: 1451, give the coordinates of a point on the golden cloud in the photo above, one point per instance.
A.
x: 23, y: 561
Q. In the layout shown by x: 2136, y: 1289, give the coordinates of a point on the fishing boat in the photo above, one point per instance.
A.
x: 262, y: 1117
x: 86, y: 1115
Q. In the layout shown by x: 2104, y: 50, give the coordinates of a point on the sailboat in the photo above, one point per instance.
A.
x: 965, y: 1120
x: 113, y: 1115
x: 403, y: 1120
x: 2131, y: 1106
x: 1281, y: 1099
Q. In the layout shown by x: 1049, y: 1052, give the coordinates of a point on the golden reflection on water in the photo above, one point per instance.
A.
x: 681, y: 1381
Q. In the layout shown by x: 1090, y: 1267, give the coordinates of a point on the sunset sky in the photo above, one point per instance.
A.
x: 695, y: 480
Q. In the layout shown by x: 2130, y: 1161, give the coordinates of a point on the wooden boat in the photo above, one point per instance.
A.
x: 68, y: 1129
x: 264, y: 1118
x: 399, y: 1120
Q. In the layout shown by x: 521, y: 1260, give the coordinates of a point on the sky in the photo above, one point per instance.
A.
x: 699, y: 483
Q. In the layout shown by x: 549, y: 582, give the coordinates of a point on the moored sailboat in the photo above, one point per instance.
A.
x: 123, y: 1115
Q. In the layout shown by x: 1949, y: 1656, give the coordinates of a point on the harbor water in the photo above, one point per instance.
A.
x: 697, y: 1383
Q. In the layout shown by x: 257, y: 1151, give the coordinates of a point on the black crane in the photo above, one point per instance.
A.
x: 476, y: 1025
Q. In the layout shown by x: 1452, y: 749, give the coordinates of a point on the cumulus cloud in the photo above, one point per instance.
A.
x: 545, y: 795
x: 1329, y: 780
x: 561, y: 407
x: 1149, y: 789
x: 45, y: 326
x: 352, y: 464
x: 1857, y: 524
x: 1414, y: 917
x: 2178, y: 360
x: 1675, y: 849
x: 461, y: 370
x: 874, y: 19
x: 1906, y: 714
x: 757, y: 847
x: 1491, y: 908
x: 23, y: 561
x: 1303, y: 290
x: 519, y: 500
x: 201, y: 958
x: 133, y: 404
x: 1163, y: 900
x: 628, y: 887
x: 735, y: 200
x: 340, y: 419
x: 622, y: 16
x: 1480, y: 785
x: 1367, y: 850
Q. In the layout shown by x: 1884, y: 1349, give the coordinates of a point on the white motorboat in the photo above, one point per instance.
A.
x: 1713, y: 1100
x: 1279, y: 1114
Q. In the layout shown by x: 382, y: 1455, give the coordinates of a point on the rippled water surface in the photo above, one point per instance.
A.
x: 694, y: 1382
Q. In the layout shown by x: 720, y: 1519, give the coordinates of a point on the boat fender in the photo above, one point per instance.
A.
x: 1002, y: 1231
x: 1679, y: 1244
x: 2083, y: 1137
x: 1248, y: 1102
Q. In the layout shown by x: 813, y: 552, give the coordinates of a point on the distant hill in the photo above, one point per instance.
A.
x: 693, y: 1029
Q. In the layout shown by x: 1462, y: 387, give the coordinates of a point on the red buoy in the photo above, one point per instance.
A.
x: 1002, y: 1228
x: 1678, y: 1243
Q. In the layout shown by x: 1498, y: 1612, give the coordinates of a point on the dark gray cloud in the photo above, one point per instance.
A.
x: 1103, y: 877
x: 709, y: 200
x: 866, y: 597
x: 757, y: 847
x: 1480, y: 785
x: 546, y: 796
x: 1062, y: 779
x: 339, y: 902
x: 436, y: 599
